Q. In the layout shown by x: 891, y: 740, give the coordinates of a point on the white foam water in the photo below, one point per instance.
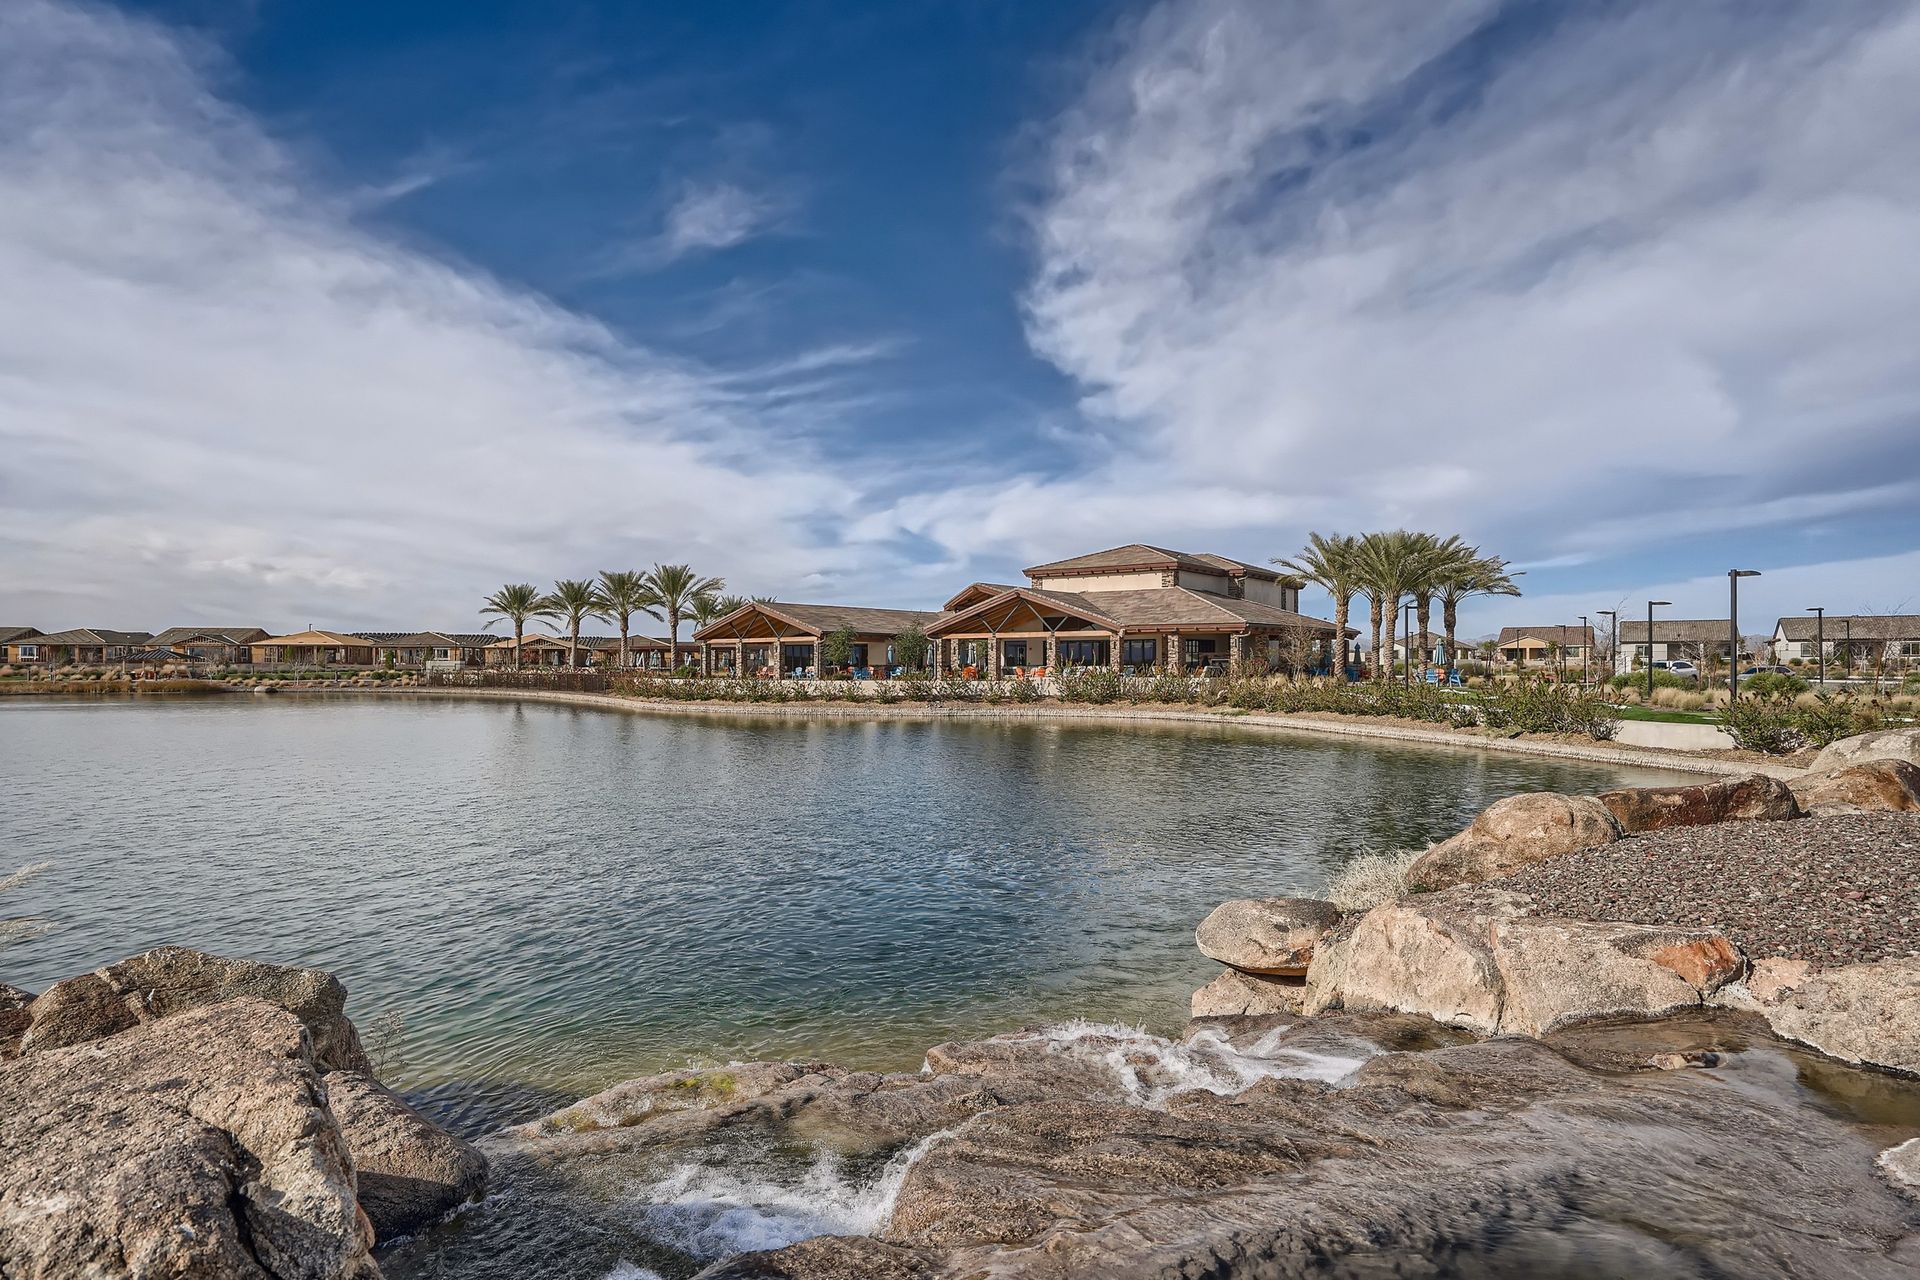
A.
x: 1150, y: 1069
x: 709, y: 1211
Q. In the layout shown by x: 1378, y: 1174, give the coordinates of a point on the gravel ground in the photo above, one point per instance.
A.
x: 1832, y: 891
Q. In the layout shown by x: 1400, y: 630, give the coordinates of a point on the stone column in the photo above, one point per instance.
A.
x: 1114, y: 647
x: 1236, y: 654
x: 938, y: 658
x: 1052, y: 653
x: 1175, y: 658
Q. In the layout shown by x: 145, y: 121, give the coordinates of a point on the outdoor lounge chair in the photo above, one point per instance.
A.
x: 1430, y: 676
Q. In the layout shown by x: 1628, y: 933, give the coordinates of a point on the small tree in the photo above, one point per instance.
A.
x: 836, y: 649
x: 910, y: 648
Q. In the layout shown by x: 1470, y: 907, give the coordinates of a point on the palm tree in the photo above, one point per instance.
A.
x: 623, y: 593
x: 1388, y: 565
x: 1331, y: 562
x: 1434, y: 558
x: 574, y: 599
x: 676, y: 587
x: 1476, y: 576
x: 709, y: 609
x: 517, y: 601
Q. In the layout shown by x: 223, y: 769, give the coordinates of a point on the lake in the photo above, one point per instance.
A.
x: 528, y: 902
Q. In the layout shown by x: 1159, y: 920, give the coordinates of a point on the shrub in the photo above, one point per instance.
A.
x: 1773, y: 682
x: 1021, y: 689
x: 1371, y: 879
x: 1094, y: 685
x: 1764, y: 722
x: 1829, y: 717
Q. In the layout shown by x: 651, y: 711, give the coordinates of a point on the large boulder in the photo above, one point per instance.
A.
x: 1901, y: 1165
x: 198, y: 1145
x: 1752, y: 798
x: 411, y: 1172
x: 1478, y: 960
x: 1237, y: 994
x: 1876, y: 784
x: 1867, y: 1013
x: 1511, y: 834
x: 1882, y: 744
x: 171, y: 980
x: 1273, y: 936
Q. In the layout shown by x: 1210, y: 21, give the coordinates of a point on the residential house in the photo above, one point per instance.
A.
x: 80, y: 647
x: 1133, y: 608
x: 213, y: 646
x: 418, y: 648
x: 1533, y: 646
x: 17, y: 645
x: 313, y: 649
x: 781, y: 639
x: 1854, y: 641
x: 1697, y: 640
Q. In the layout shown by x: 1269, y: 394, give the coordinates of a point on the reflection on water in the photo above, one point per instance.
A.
x: 554, y: 899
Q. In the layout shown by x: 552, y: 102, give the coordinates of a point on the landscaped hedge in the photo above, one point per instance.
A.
x: 1777, y: 723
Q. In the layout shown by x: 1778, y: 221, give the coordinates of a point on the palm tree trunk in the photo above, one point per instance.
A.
x: 517, y: 625
x: 1379, y: 607
x: 1337, y: 650
x: 1450, y: 620
x: 573, y: 644
x: 673, y: 641
x: 623, y: 642
x: 1423, y: 605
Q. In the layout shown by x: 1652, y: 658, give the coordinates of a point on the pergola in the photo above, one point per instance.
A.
x: 772, y: 638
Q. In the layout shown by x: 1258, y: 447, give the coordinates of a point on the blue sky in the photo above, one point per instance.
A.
x: 347, y: 313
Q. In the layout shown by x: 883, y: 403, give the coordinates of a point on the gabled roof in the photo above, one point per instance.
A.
x: 9, y: 634
x: 225, y: 635
x: 1670, y: 630
x: 1142, y: 557
x: 159, y: 655
x: 311, y: 639
x: 974, y: 592
x: 1143, y: 610
x: 96, y: 636
x: 429, y: 639
x: 1864, y: 626
x: 1577, y: 637
x: 821, y: 619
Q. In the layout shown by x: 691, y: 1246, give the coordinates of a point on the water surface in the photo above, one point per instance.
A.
x: 552, y: 899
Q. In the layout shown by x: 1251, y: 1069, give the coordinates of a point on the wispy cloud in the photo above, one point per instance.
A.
x: 1567, y: 278
x: 222, y: 397
x: 717, y: 217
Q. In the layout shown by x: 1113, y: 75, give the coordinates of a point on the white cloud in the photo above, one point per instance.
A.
x: 1638, y: 265
x: 221, y: 399
x: 716, y: 217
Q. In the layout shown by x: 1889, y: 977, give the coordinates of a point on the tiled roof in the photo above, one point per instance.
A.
x: 1671, y: 630
x: 429, y: 639
x: 96, y: 635
x: 1151, y: 609
x: 308, y: 639
x: 9, y: 634
x: 1576, y: 637
x: 1142, y: 556
x: 229, y: 635
x: 821, y: 619
x: 1865, y: 626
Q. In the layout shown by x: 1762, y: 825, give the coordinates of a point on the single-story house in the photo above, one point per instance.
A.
x: 541, y: 650
x: 1871, y: 641
x: 215, y: 646
x: 1674, y: 639
x: 15, y: 639
x: 157, y: 660
x: 313, y: 649
x: 781, y: 639
x: 418, y: 648
x: 1133, y: 608
x: 1521, y: 645
x: 80, y: 647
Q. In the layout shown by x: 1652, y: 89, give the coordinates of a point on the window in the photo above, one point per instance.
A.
x: 1200, y: 649
x: 1139, y: 653
x: 857, y: 655
x: 795, y: 656
x: 1906, y: 649
x: 29, y: 652
x: 1083, y: 653
x: 1015, y: 653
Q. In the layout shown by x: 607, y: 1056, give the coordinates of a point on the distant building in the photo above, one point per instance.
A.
x: 17, y: 645
x: 214, y: 646
x: 80, y: 647
x: 1870, y: 639
x: 1695, y: 640
x: 1519, y: 646
x: 313, y: 649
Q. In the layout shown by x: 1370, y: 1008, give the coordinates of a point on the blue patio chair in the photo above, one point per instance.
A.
x: 1454, y: 681
x: 894, y: 673
x: 863, y: 673
x: 1431, y: 677
x: 799, y: 673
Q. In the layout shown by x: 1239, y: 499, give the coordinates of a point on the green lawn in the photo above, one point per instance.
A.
x: 1665, y: 715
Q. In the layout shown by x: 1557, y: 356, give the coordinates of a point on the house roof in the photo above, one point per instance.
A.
x: 1578, y: 637
x: 820, y: 619
x: 308, y: 639
x: 429, y: 639
x: 1144, y: 557
x: 96, y: 635
x: 159, y: 655
x: 1145, y: 609
x: 1671, y: 630
x: 1864, y: 626
x: 9, y: 634
x: 974, y: 592
x: 226, y: 635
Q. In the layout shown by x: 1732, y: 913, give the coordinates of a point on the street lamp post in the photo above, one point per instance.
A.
x: 1613, y: 632
x: 1650, y: 605
x: 1733, y: 629
x: 1586, y: 649
x: 1820, y: 639
x: 1846, y: 654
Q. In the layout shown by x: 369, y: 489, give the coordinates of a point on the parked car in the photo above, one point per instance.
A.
x: 1769, y: 670
x: 1684, y: 669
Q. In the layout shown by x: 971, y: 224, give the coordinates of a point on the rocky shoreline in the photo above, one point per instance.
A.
x: 1578, y: 1044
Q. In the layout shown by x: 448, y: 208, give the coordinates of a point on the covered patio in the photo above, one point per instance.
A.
x: 772, y: 639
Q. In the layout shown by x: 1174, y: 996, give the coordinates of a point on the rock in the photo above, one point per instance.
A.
x: 1511, y: 834
x: 1478, y: 960
x: 171, y: 980
x: 1681, y: 1061
x: 197, y: 1145
x: 1771, y: 977
x: 1882, y: 744
x: 1237, y: 994
x: 1752, y: 798
x: 1875, y: 784
x: 1865, y: 1013
x: 1901, y: 1165
x: 1266, y: 935
x: 14, y: 1018
x: 410, y: 1171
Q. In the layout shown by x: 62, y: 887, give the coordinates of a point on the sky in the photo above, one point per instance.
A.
x: 347, y: 314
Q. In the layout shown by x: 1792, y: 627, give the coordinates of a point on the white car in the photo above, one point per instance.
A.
x: 1684, y: 669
